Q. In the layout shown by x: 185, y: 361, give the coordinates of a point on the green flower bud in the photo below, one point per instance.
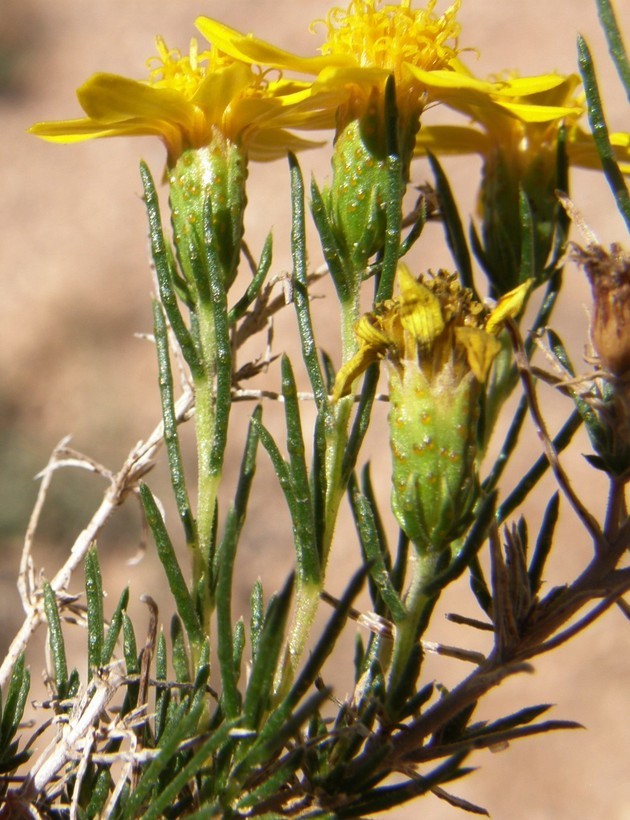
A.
x: 209, y: 180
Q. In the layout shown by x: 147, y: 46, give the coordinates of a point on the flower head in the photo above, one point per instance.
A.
x: 365, y: 44
x: 522, y: 115
x: 515, y: 129
x: 185, y: 101
x: 609, y: 275
x: 434, y: 325
x: 368, y: 45
x: 439, y: 344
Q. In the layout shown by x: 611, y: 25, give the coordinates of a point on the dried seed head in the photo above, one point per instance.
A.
x: 609, y: 275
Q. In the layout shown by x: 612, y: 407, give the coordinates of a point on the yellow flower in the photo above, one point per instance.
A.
x: 186, y: 101
x: 515, y: 129
x: 522, y: 117
x: 439, y: 344
x: 366, y: 44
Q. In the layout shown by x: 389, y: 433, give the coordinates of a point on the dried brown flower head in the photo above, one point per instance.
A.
x: 609, y: 275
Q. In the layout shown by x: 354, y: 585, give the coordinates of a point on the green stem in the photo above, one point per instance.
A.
x: 306, y: 604
x: 418, y: 604
x: 337, y: 432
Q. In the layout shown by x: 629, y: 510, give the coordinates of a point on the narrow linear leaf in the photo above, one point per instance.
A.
x: 99, y: 793
x: 171, y: 434
x: 258, y: 695
x: 509, y: 443
x: 257, y: 617
x: 16, y: 696
x: 599, y: 129
x: 95, y: 615
x: 271, y: 739
x: 308, y: 555
x: 132, y: 665
x: 374, y: 548
x: 519, y: 718
x: 181, y: 726
x: 253, y: 289
x: 162, y: 694
x: 615, y: 43
x: 56, y: 641
x: 453, y: 227
x: 163, y: 268
x: 528, y: 262
x: 283, y: 472
x: 544, y: 543
x: 181, y: 661
x: 531, y: 478
x: 361, y: 422
x: 339, y: 266
x: 274, y: 783
x: 175, y: 578
x: 188, y: 773
x: 223, y: 349
x: 395, y: 193
x: 389, y: 796
x: 230, y: 697
x: 115, y: 625
x: 300, y: 283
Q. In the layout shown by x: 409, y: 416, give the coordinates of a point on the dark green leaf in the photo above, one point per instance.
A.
x: 531, y: 478
x: 175, y: 578
x: 56, y: 641
x: 95, y: 616
x: 528, y: 262
x: 257, y: 617
x: 259, y: 690
x: 300, y: 283
x: 171, y: 435
x: 16, y: 696
x: 337, y: 260
x: 453, y: 228
x: 181, y: 726
x: 544, y: 543
x: 253, y: 289
x: 375, y: 550
x: 164, y: 271
x: 615, y: 43
x: 181, y: 661
x: 308, y: 556
x: 388, y: 797
x: 599, y: 129
x: 115, y: 625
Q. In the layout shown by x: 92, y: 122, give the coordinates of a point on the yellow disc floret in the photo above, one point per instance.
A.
x: 390, y: 36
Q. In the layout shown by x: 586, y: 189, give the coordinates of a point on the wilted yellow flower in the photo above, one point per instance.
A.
x: 439, y: 344
x: 186, y: 101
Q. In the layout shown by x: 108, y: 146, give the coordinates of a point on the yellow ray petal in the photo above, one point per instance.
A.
x: 420, y: 311
x: 110, y: 98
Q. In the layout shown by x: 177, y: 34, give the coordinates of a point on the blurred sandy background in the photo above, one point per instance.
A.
x: 75, y: 289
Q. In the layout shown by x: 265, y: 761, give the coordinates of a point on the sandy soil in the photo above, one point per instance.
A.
x: 76, y: 287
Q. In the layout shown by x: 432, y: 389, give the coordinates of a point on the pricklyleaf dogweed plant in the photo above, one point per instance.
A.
x: 239, y: 717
